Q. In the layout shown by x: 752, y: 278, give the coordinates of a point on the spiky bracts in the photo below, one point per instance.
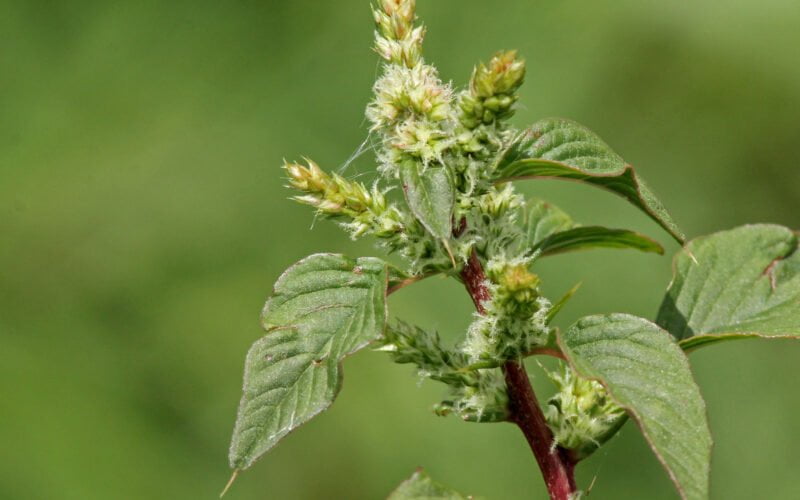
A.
x: 581, y: 414
x: 366, y: 211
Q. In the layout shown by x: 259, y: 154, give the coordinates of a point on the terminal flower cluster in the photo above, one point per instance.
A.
x: 422, y: 124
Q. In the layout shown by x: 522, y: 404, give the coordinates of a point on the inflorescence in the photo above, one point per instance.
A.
x: 421, y: 122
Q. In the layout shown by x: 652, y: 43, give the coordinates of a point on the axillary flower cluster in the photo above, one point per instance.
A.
x: 429, y: 135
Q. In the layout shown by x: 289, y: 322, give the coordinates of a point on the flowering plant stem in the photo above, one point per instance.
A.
x: 556, y: 463
x: 443, y: 201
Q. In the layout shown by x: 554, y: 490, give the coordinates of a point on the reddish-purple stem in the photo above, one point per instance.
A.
x: 556, y: 464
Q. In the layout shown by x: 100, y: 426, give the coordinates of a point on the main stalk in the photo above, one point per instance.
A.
x: 555, y: 462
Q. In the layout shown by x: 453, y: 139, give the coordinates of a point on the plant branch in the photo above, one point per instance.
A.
x: 545, y: 351
x: 395, y: 285
x: 556, y: 464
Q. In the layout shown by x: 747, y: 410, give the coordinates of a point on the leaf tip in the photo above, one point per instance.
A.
x: 230, y: 482
x: 450, y: 253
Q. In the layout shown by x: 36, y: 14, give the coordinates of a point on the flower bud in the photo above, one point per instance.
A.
x: 503, y: 75
x: 492, y: 90
x: 403, y: 93
x: 492, y: 103
x: 520, y: 283
x: 420, y: 140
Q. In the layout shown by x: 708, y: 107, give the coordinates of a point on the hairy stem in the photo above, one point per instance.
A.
x: 556, y: 464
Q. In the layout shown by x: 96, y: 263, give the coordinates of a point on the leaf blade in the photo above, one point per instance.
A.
x: 322, y: 309
x: 550, y: 230
x: 647, y: 373
x: 430, y: 196
x: 586, y: 237
x: 739, y: 283
x: 541, y: 220
x: 558, y: 148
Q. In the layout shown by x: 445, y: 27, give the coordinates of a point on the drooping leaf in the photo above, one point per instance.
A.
x: 585, y: 237
x: 744, y: 282
x: 430, y: 196
x: 551, y: 231
x: 647, y: 373
x: 322, y: 309
x: 558, y: 148
x: 421, y: 487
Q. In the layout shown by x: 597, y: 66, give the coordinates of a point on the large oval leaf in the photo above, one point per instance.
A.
x: 323, y: 308
x: 551, y: 231
x: 430, y: 196
x: 647, y: 373
x: 558, y: 148
x: 740, y: 283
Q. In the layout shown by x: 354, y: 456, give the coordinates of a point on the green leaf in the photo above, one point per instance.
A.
x: 323, y: 308
x: 585, y: 237
x: 744, y: 282
x: 551, y: 231
x: 647, y: 373
x: 560, y: 303
x: 558, y: 148
x: 542, y: 220
x: 430, y: 196
x: 421, y: 487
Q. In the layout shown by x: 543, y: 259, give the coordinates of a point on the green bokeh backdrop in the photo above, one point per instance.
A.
x: 143, y: 221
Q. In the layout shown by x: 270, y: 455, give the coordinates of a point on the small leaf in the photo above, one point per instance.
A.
x: 744, y: 282
x: 551, y: 231
x: 323, y: 308
x: 421, y: 487
x: 647, y: 373
x: 430, y: 196
x: 558, y: 148
x: 560, y: 303
x: 542, y: 220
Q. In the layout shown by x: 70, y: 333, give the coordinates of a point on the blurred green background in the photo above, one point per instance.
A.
x: 143, y: 222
